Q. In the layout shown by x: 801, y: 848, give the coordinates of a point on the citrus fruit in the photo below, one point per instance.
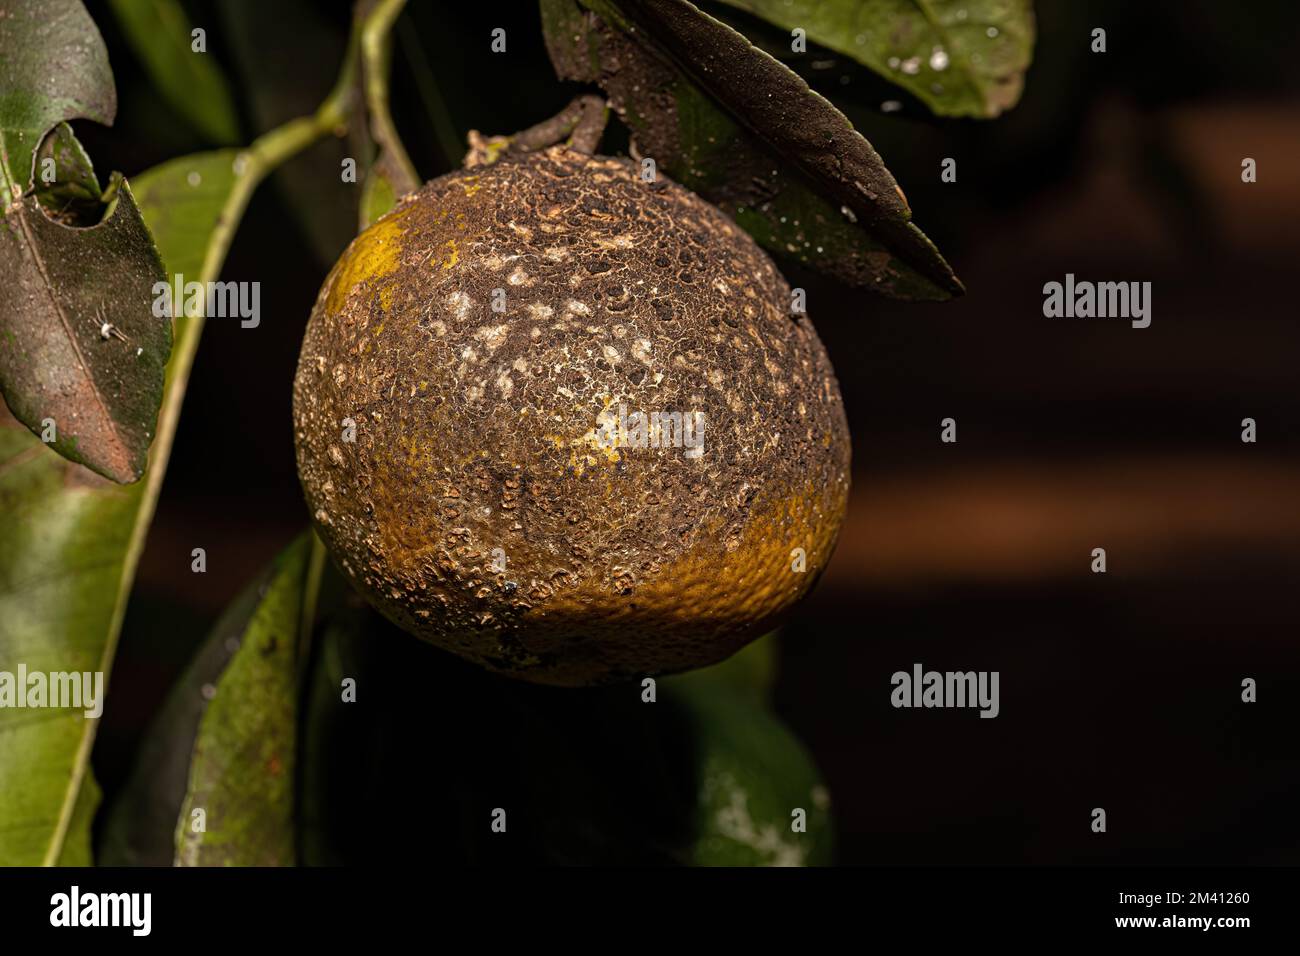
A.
x: 563, y: 422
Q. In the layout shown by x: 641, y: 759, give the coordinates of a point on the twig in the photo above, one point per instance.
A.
x: 376, y: 50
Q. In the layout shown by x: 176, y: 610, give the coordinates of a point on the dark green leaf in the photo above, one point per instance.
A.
x: 71, y: 543
x: 53, y: 67
x: 716, y: 114
x: 80, y: 344
x: 752, y: 776
x: 241, y: 773
x: 72, y: 540
x: 192, y: 83
x: 225, y: 738
x: 140, y: 826
x: 331, y: 739
x: 959, y: 57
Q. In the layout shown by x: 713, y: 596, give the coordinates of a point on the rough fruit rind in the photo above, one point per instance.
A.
x: 478, y: 430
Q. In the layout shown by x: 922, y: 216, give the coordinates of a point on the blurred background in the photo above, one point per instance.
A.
x: 1120, y: 690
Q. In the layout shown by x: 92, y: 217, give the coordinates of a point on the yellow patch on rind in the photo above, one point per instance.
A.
x: 373, y: 254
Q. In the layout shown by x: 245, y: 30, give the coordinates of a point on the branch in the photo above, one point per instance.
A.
x: 376, y: 54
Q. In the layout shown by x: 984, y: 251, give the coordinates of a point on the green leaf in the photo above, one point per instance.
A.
x: 183, y: 199
x: 77, y: 847
x: 241, y: 773
x: 959, y: 57
x: 53, y: 67
x: 250, y: 692
x: 715, y: 113
x: 752, y: 777
x: 66, y: 536
x: 71, y: 544
x: 140, y: 825
x: 750, y: 672
x: 66, y: 185
x: 72, y: 540
x: 82, y: 353
x: 192, y: 83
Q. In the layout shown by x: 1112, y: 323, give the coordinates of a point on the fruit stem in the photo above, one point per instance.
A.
x: 591, y: 126
x: 376, y: 56
x: 583, y: 121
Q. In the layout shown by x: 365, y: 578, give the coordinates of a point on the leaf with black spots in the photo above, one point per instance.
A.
x: 736, y: 126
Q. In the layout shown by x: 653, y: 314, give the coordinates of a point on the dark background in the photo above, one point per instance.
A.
x: 1119, y: 690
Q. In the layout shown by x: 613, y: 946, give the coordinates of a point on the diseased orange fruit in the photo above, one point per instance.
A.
x: 562, y: 422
